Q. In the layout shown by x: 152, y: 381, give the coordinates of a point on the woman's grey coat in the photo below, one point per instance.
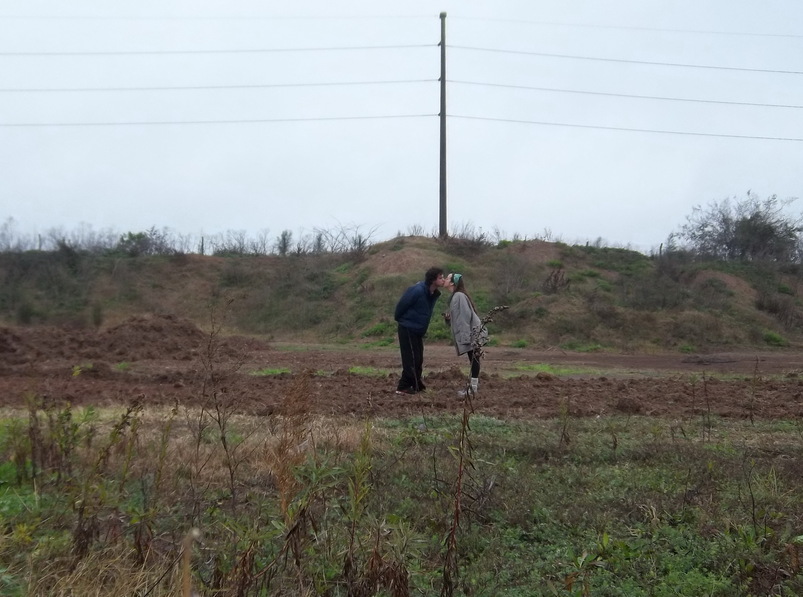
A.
x: 463, y: 320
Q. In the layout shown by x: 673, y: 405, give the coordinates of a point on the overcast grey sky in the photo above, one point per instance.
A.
x: 576, y: 120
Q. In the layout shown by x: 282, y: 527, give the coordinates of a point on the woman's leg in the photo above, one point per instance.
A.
x: 475, y: 364
x: 474, y: 360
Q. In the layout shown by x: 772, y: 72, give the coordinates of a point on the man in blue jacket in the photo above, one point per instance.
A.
x: 413, y: 312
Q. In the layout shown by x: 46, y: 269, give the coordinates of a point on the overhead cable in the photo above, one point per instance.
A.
x: 626, y: 129
x: 208, y: 87
x: 627, y: 95
x: 230, y: 51
x: 200, y: 122
x: 210, y: 18
x: 628, y: 61
x: 217, y: 18
x: 390, y: 116
x: 630, y: 28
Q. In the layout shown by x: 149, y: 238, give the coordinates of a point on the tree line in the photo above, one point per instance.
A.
x: 733, y: 229
x: 164, y: 241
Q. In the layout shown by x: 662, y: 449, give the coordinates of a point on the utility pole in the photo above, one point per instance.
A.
x: 443, y: 233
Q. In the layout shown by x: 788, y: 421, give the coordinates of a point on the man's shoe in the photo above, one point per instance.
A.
x: 408, y: 391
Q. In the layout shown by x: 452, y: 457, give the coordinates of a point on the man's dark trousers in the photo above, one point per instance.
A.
x: 412, y: 356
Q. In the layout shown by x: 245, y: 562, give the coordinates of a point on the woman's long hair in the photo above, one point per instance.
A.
x: 460, y: 286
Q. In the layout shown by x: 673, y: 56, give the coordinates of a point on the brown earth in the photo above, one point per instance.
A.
x: 163, y: 360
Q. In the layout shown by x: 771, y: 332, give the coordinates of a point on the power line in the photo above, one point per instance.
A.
x: 627, y: 61
x: 396, y: 82
x: 390, y: 47
x: 210, y: 18
x: 201, y: 122
x: 231, y: 51
x: 627, y: 95
x: 349, y: 48
x: 389, y: 116
x: 633, y: 28
x: 208, y: 87
x: 626, y: 129
x: 216, y: 18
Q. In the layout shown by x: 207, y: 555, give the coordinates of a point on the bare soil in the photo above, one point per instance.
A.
x: 166, y: 360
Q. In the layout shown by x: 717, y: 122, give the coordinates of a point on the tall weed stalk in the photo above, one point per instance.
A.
x: 464, y: 461
x: 218, y: 402
x: 359, y: 489
x: 94, y: 489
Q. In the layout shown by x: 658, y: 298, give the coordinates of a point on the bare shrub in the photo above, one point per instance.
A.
x: 349, y: 240
x: 466, y: 241
x: 713, y: 293
x: 512, y: 278
x: 232, y: 242
x: 556, y: 280
x: 745, y: 230
x: 782, y: 306
x: 696, y: 328
x: 651, y: 291
x: 150, y: 242
x: 12, y: 241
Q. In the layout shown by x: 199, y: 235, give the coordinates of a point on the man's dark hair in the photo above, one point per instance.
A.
x: 432, y: 275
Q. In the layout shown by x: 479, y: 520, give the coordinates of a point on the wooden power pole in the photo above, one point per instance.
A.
x: 442, y: 230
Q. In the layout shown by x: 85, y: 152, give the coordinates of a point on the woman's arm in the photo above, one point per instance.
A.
x: 461, y: 312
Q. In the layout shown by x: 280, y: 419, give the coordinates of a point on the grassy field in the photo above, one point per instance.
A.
x: 579, y: 298
x: 201, y: 499
x: 150, y: 502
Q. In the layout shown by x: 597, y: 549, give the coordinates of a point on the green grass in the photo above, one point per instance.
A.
x: 291, y: 348
x: 14, y: 501
x: 383, y: 328
x: 555, y: 369
x: 612, y: 506
x: 579, y: 346
x: 623, y: 493
x: 368, y: 371
x: 381, y: 343
x: 271, y: 371
x: 775, y: 339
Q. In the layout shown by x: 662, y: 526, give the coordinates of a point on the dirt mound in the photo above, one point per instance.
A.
x: 152, y: 337
x: 413, y: 262
x: 147, y: 337
x: 22, y: 345
x: 13, y: 349
x: 234, y: 346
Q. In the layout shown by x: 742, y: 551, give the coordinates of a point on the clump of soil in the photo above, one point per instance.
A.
x: 142, y: 337
x: 152, y: 337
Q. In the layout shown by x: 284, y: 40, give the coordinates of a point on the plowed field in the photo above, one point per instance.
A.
x: 166, y: 360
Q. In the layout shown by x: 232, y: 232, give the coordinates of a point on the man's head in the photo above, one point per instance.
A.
x: 434, y: 276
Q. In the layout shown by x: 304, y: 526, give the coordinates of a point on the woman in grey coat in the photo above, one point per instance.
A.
x: 468, y: 332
